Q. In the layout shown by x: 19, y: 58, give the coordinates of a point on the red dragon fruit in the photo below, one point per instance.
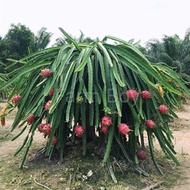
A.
x: 163, y: 109
x: 45, y: 72
x: 78, y: 130
x: 54, y: 140
x: 123, y: 129
x: 177, y: 86
x: 145, y: 94
x: 106, y: 121
x: 104, y: 129
x: 47, y: 105
x: 51, y: 91
x: 141, y: 154
x: 16, y: 98
x: 131, y: 94
x: 150, y: 123
x: 180, y: 96
x: 47, y: 129
x: 30, y: 119
x: 41, y: 127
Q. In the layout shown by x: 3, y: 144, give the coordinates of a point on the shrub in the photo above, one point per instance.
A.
x: 91, y: 81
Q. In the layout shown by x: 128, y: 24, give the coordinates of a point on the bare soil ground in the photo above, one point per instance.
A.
x: 41, y: 173
x: 181, y: 131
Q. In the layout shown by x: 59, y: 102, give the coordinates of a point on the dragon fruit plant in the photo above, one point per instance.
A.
x: 98, y: 91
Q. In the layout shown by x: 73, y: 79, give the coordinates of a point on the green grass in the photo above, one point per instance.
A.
x: 78, y: 172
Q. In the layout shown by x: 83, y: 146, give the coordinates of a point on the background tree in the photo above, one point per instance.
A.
x: 15, y: 44
x: 19, y: 42
x: 185, y: 51
x: 173, y: 51
x: 2, y: 55
x: 41, y: 40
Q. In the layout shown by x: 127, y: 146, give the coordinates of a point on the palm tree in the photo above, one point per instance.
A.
x: 185, y: 51
x: 41, y: 40
x: 165, y: 51
x: 173, y: 51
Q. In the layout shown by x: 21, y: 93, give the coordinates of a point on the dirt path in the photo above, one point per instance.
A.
x: 9, y: 147
x: 181, y: 132
x: 182, y: 145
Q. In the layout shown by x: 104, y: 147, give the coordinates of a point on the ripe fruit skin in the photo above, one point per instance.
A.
x: 16, y: 98
x: 163, y: 109
x: 47, y: 129
x: 104, y: 129
x: 131, y: 94
x: 30, y: 119
x: 123, y: 129
x: 145, y: 94
x: 106, y: 121
x: 41, y: 127
x: 141, y: 154
x: 54, y: 140
x: 45, y: 72
x: 78, y: 130
x: 47, y: 105
x: 51, y: 92
x: 150, y: 123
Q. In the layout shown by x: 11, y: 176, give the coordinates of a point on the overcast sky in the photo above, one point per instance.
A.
x: 134, y: 19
